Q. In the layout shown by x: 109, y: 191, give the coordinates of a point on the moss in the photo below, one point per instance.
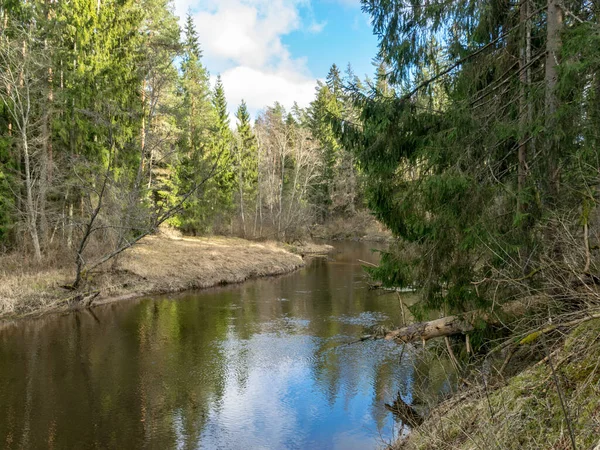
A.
x: 582, y: 335
x: 530, y: 338
x: 582, y: 348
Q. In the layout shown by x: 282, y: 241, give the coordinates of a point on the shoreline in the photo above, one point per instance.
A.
x: 157, y: 265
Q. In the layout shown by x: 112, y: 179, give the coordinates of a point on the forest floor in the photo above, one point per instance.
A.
x: 158, y: 264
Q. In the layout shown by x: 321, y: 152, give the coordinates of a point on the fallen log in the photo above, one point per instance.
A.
x: 423, y: 331
x: 463, y: 323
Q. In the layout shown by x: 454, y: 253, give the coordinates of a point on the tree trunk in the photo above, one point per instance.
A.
x: 525, y: 117
x: 45, y: 177
x: 70, y: 227
x: 242, y: 210
x: 553, y: 47
x: 523, y: 63
x: 30, y: 204
x: 280, y: 211
x: 458, y: 324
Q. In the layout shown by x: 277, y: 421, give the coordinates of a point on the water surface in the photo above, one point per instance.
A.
x: 262, y: 365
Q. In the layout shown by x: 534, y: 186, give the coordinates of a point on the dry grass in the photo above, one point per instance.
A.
x: 189, y: 263
x: 159, y: 264
x: 22, y: 291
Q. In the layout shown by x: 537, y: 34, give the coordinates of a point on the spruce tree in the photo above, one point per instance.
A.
x: 334, y: 81
x: 441, y: 143
x: 323, y: 109
x: 191, y: 42
x: 220, y: 197
x: 197, y: 119
x: 245, y: 161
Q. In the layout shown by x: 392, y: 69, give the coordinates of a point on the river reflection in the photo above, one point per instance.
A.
x: 261, y: 365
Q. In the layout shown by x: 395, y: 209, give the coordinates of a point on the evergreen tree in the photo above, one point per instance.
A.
x: 334, y: 81
x: 191, y: 42
x: 220, y: 193
x: 197, y: 118
x: 335, y: 192
x: 159, y: 77
x: 245, y: 161
x: 444, y: 144
x: 323, y: 109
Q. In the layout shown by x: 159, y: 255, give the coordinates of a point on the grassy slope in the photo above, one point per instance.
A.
x: 526, y: 412
x: 156, y: 265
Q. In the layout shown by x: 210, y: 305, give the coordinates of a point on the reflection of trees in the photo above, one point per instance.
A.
x: 155, y: 372
x: 125, y: 380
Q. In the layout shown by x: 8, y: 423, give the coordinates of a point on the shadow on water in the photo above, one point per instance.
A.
x: 258, y: 365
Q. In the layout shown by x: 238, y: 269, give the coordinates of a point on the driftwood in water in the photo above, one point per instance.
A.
x: 406, y: 413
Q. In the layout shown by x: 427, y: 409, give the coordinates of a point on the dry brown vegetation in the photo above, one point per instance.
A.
x: 361, y: 226
x: 158, y: 264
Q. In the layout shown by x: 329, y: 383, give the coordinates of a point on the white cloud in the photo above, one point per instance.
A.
x: 248, y: 31
x: 243, y: 40
x: 260, y: 88
x: 317, y: 27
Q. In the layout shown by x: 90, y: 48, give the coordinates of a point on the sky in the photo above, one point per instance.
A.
x: 276, y: 50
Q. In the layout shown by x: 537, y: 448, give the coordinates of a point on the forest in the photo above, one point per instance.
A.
x: 476, y: 145
x: 111, y: 128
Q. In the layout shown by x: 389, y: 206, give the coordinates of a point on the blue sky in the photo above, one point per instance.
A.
x: 346, y: 36
x: 276, y: 50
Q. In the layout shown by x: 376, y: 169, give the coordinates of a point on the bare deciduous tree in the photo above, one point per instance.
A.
x: 22, y: 67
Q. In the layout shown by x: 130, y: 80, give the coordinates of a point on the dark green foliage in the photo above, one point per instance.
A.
x: 336, y: 190
x: 246, y: 147
x: 197, y: 115
x: 221, y: 156
x: 439, y: 138
x: 191, y: 43
x: 123, y: 100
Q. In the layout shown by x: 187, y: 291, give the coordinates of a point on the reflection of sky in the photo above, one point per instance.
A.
x: 280, y: 403
x: 233, y: 367
x: 292, y: 383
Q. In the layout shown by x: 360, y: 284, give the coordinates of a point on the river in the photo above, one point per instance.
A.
x: 261, y: 365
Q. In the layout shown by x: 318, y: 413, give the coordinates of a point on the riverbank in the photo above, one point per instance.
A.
x: 549, y: 403
x: 157, y: 265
